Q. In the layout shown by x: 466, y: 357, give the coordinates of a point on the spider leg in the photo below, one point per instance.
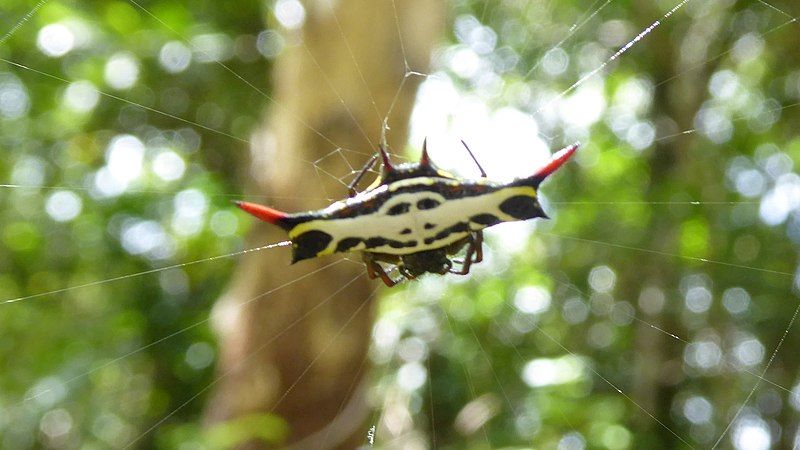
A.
x: 478, y: 246
x: 403, y: 270
x: 448, y: 268
x: 351, y: 189
x: 474, y: 253
x: 483, y: 172
x: 374, y: 270
x: 474, y: 246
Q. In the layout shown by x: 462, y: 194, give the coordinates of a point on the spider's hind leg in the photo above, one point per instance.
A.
x: 474, y: 253
x: 404, y: 271
x: 375, y: 270
x: 478, y: 246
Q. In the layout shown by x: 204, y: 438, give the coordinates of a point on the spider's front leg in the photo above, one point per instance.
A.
x: 351, y: 189
x: 472, y: 155
x: 374, y: 270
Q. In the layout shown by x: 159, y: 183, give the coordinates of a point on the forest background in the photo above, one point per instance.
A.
x: 657, y: 309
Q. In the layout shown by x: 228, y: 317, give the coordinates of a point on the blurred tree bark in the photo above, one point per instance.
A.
x: 291, y: 352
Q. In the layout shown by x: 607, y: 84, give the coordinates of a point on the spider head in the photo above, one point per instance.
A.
x: 430, y: 261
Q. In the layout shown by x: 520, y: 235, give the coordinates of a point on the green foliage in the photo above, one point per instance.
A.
x: 640, y: 317
x: 92, y: 359
x: 666, y: 280
x: 264, y: 428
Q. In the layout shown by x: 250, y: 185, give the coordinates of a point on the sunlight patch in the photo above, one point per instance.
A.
x: 555, y: 61
x: 269, y: 43
x: 168, y: 165
x: 29, y: 171
x: 550, y: 371
x: 55, y: 40
x: 752, y: 433
x: 56, y: 424
x: 585, y: 107
x: 782, y: 200
x: 290, y: 13
x: 224, y: 223
x: 698, y: 299
x: 704, y: 354
x: 532, y: 300
x: 199, y: 355
x: 190, y: 209
x: 48, y: 391
x: 507, y: 141
x: 14, y: 98
x: 749, y: 351
x: 124, y: 157
x: 572, y: 441
x: 736, y: 300
x: 602, y: 279
x: 122, y: 71
x: 175, y: 56
x: 63, y: 206
x: 411, y: 376
x: 575, y: 310
x: 146, y: 237
x: 81, y: 96
x: 212, y: 47
x: 698, y: 410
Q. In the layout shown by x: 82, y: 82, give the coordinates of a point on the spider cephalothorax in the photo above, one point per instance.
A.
x: 415, y: 217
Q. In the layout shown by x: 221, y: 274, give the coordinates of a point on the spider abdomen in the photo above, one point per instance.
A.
x: 411, y: 216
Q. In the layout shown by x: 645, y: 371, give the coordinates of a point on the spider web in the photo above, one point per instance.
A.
x: 398, y: 419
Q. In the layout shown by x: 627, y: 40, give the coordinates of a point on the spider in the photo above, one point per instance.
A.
x: 415, y: 216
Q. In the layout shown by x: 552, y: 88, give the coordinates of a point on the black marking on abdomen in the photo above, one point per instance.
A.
x: 428, y: 203
x: 374, y: 242
x: 309, y: 244
x: 460, y: 227
x: 406, y: 231
x: 485, y: 219
x: 347, y: 243
x: 522, y: 207
x: 400, y: 208
x: 428, y: 226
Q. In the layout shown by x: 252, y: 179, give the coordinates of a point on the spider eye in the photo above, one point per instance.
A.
x: 400, y: 208
x: 428, y: 203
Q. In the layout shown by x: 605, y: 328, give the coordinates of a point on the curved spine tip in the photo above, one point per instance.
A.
x: 387, y: 164
x: 425, y: 159
x: 557, y: 160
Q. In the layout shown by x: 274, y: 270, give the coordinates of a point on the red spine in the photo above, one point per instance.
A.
x: 264, y: 213
x: 556, y: 161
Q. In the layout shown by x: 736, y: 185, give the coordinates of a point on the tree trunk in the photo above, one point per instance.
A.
x: 295, y: 352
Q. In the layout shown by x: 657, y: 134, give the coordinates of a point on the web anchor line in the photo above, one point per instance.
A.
x: 183, y: 330
x: 146, y: 272
x: 258, y: 350
x: 22, y: 21
x: 760, y: 378
x: 675, y: 255
x: 614, y: 57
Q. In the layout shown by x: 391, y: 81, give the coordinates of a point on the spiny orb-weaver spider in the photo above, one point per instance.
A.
x: 415, y: 216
